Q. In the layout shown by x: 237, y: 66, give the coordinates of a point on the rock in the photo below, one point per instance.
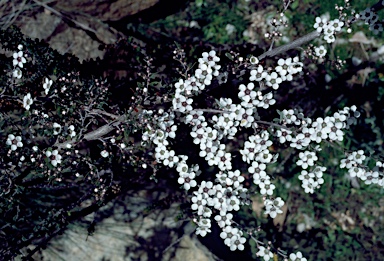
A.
x: 126, y: 230
x: 69, y: 25
x: 106, y: 10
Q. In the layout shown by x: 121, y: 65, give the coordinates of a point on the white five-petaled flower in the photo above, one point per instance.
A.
x: 307, y: 158
x: 320, y: 51
x: 187, y: 180
x: 54, y: 157
x: 273, y: 80
x: 27, y: 101
x: 320, y: 23
x: 14, y: 142
x: 265, y: 253
x: 18, y: 59
x: 257, y: 74
x: 273, y: 207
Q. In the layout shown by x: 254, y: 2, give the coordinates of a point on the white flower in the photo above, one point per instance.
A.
x: 245, y: 117
x: 273, y: 207
x: 182, y: 168
x: 47, y: 85
x: 320, y: 24
x: 236, y: 178
x: 104, y: 153
x: 266, y: 101
x: 246, y: 93
x: 295, y: 65
x: 320, y: 51
x: 289, y: 116
x: 56, y: 128
x: 237, y: 243
x: 336, y: 25
x: 195, y: 117
x: 257, y: 167
x: 376, y: 28
x: 54, y: 157
x: 18, y: 59
x: 356, y: 172
x: 204, y: 226
x: 258, y: 74
x: 182, y: 103
x: 264, y: 253
x: 202, y: 231
x: 249, y: 151
x: 297, y: 257
x: 283, y: 69
x: 198, y: 203
x: 14, y: 142
x: 357, y: 156
x: 330, y: 38
x: 17, y: 73
x: 209, y: 58
x: 71, y: 130
x: 266, y: 188
x: 233, y: 203
x: 284, y: 135
x: 27, y: 101
x: 224, y: 219
x: 307, y: 158
x: 223, y: 160
x: 368, y: 16
x: 171, y: 160
x: 187, y: 180
x: 273, y: 80
x: 198, y: 136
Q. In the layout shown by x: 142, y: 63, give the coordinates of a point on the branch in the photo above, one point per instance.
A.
x: 96, y: 134
x: 296, y: 43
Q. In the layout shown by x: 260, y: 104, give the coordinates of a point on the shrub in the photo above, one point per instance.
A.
x: 70, y: 140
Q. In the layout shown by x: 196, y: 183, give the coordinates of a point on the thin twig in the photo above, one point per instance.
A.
x: 212, y: 110
x: 296, y: 43
x: 308, y: 37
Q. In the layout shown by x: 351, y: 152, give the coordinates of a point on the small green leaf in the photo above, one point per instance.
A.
x: 229, y: 56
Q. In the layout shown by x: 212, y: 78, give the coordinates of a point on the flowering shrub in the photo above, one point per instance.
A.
x: 51, y: 114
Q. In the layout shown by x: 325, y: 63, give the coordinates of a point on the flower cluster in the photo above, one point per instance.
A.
x: 313, y: 131
x: 284, y: 71
x: 217, y: 199
x: 227, y: 194
x: 354, y: 164
x: 328, y: 28
x: 15, y: 142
